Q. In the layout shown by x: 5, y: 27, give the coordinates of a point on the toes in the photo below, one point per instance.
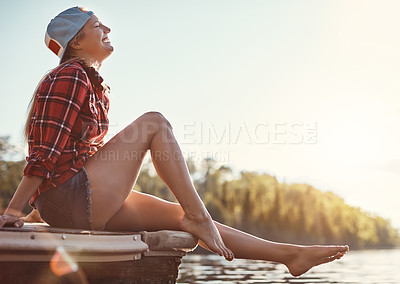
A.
x: 342, y: 252
x: 219, y: 250
x: 224, y: 251
x: 343, y: 249
x: 340, y: 255
x: 227, y: 253
x: 334, y: 251
x: 231, y: 255
x: 327, y: 259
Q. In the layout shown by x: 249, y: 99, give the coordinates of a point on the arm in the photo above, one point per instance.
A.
x: 25, y: 190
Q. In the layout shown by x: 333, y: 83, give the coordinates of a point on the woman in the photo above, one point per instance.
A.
x: 75, y: 181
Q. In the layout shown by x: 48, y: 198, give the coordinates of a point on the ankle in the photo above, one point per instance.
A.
x: 199, y: 216
x: 291, y: 253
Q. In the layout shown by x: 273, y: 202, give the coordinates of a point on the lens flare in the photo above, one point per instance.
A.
x: 61, y: 263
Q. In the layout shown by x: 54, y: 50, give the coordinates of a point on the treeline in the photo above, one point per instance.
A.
x: 256, y: 203
x: 10, y: 172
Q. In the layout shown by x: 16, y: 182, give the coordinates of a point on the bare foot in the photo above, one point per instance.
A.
x: 33, y: 217
x: 310, y: 256
x: 205, y: 229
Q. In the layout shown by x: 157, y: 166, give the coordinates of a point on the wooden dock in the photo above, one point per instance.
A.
x: 37, y: 253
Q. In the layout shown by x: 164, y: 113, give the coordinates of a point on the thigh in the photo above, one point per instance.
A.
x: 114, y: 168
x: 144, y: 212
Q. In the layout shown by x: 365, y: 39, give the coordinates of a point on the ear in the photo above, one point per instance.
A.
x: 75, y: 44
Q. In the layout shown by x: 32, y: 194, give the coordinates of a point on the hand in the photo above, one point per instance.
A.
x: 9, y: 220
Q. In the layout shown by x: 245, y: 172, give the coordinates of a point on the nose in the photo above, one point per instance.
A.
x: 106, y: 29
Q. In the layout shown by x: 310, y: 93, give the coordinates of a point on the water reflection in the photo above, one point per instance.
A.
x: 358, y: 267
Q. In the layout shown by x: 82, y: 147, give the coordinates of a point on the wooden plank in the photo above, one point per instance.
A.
x: 166, y: 240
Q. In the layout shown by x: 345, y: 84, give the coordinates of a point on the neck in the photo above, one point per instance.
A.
x: 89, y: 60
x: 96, y: 64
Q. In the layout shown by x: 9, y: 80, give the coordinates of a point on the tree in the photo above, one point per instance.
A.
x: 10, y: 172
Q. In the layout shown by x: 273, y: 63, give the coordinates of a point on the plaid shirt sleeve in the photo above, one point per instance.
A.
x: 60, y: 98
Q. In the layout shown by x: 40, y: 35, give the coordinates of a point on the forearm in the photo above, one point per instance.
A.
x: 24, y: 192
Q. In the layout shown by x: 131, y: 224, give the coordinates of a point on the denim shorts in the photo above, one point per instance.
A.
x: 68, y: 205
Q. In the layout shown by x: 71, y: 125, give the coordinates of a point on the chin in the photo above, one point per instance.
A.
x: 106, y: 55
x: 107, y: 50
x: 108, y: 46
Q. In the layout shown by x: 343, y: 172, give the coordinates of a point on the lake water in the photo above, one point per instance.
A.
x: 366, y: 267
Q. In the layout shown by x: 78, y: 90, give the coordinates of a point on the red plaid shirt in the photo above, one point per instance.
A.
x: 68, y: 124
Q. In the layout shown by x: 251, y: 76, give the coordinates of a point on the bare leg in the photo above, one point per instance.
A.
x: 298, y: 259
x: 171, y: 167
x: 146, y: 212
x: 113, y: 170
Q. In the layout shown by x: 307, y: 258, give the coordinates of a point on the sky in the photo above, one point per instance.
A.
x: 307, y: 91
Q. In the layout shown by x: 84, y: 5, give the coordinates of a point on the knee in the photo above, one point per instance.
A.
x: 156, y: 119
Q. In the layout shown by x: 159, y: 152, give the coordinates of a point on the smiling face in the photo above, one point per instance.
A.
x: 92, y: 44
